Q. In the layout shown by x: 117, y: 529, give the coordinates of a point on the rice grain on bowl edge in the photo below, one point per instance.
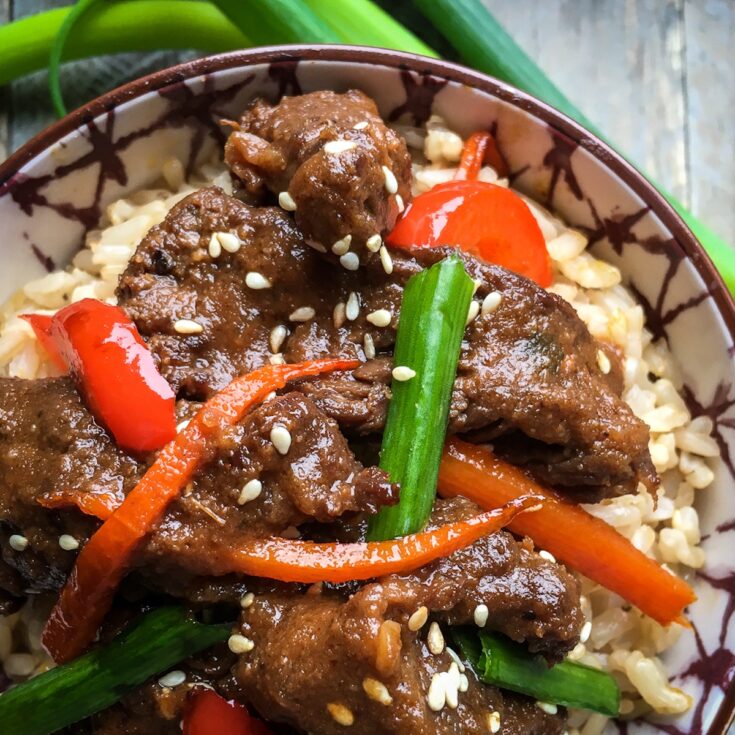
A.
x: 616, y: 638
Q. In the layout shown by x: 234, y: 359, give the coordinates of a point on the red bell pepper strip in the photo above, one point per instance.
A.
x: 209, y: 714
x: 41, y: 324
x: 98, y: 504
x: 489, y: 221
x: 480, y: 148
x: 572, y: 535
x: 116, y: 373
x: 102, y: 563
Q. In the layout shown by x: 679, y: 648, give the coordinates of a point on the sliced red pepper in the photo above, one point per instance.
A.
x: 98, y: 504
x: 489, y: 221
x: 480, y: 148
x: 41, y: 324
x: 116, y: 373
x: 102, y: 563
x: 572, y: 535
x: 209, y: 714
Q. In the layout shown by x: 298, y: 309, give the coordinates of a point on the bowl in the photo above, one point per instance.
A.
x: 57, y: 185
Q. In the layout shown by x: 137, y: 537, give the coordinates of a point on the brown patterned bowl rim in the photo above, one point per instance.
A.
x: 625, y: 171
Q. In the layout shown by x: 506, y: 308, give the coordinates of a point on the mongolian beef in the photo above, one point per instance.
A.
x: 220, y: 492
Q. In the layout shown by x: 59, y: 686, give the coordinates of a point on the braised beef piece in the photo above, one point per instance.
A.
x: 528, y: 375
x: 330, y: 152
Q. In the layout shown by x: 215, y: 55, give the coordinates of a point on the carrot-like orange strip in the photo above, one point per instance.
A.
x: 572, y: 535
x: 480, y: 148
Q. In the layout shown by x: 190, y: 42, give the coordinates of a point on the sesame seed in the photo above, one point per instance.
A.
x: 277, y: 335
x: 68, y: 543
x: 373, y: 243
x: 269, y: 397
x: 435, y: 639
x: 472, y: 312
x: 338, y: 315
x: 302, y: 314
x: 476, y: 285
x: 550, y: 709
x: 18, y: 542
x: 247, y: 600
x: 335, y: 147
x: 172, y: 679
x: 493, y: 722
x: 352, y: 308
x: 286, y: 201
x: 385, y: 260
x: 480, y: 615
x: 276, y: 359
x: 399, y: 203
x: 577, y: 652
x: 379, y: 317
x: 453, y: 655
x: 240, y: 644
x: 257, y: 281
x: 215, y: 248
x: 452, y: 681
x: 314, y: 245
x: 464, y: 683
x: 391, y: 183
x: 584, y: 634
x: 340, y: 714
x: 250, y: 491
x: 368, y: 347
x: 281, y: 438
x: 341, y: 246
x: 350, y: 261
x: 547, y: 555
x: 603, y: 361
x: 361, y: 125
x: 229, y: 242
x: 182, y: 425
x: 403, y: 373
x: 437, y: 696
x: 187, y: 326
x: 491, y: 302
x: 377, y: 691
x: 418, y: 619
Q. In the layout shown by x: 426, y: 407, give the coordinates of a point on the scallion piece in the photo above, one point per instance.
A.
x: 98, y: 679
x: 499, y: 661
x: 432, y: 322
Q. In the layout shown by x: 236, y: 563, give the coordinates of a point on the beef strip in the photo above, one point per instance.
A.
x: 337, y: 193
x: 528, y: 376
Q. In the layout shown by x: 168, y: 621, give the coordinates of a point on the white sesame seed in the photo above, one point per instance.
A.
x: 385, y: 260
x: 286, y: 201
x: 250, y: 491
x: 335, y: 147
x: 418, y: 619
x: 276, y: 359
x: 547, y: 555
x: 341, y: 246
x: 187, y: 326
x: 603, y: 361
x: 18, y: 542
x: 368, y: 347
x: 476, y: 285
x: 172, y: 679
x: 302, y: 314
x: 240, y: 644
x: 182, y: 425
x: 435, y: 639
x: 247, y: 600
x: 68, y: 543
x: 361, y: 125
x: 215, y: 248
x: 493, y: 722
x: 269, y: 397
x: 437, y: 696
x: 314, y: 245
x: 350, y: 261
x: 577, y: 652
x: 338, y: 315
x: 257, y: 281
x: 472, y: 312
x: 352, y: 308
x: 281, y: 438
x: 379, y: 317
x: 391, y: 183
x: 452, y: 681
x: 229, y: 242
x: 340, y: 714
x: 377, y: 691
x: 399, y: 203
x: 403, y: 373
x: 550, y: 709
x: 373, y: 243
x: 480, y: 615
x: 277, y: 335
x: 491, y: 302
x: 464, y: 683
x: 455, y: 657
x: 584, y: 634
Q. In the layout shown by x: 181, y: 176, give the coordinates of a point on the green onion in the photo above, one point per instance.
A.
x: 98, y: 679
x: 499, y: 661
x: 432, y: 322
